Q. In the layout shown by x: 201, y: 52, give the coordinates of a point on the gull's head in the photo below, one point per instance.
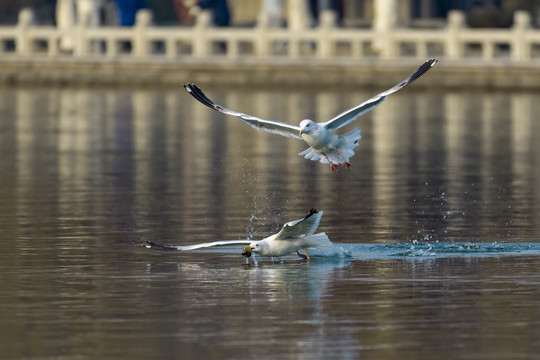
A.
x: 254, y: 247
x: 307, y: 126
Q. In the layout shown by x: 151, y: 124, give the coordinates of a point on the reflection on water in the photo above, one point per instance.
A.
x: 430, y: 166
x: 87, y: 175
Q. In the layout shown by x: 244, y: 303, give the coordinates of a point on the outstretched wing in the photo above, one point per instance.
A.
x: 271, y: 126
x: 150, y: 244
x: 305, y: 226
x: 349, y: 115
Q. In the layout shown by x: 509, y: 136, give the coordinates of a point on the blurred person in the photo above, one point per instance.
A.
x: 182, y: 12
x: 316, y: 7
x: 88, y: 15
x: 88, y: 12
x: 272, y: 9
x: 128, y: 10
x: 221, y: 15
x: 110, y: 16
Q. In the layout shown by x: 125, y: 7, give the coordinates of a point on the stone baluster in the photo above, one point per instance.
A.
x: 384, y: 26
x: 456, y: 22
x: 201, y: 47
x: 297, y: 22
x: 520, y: 48
x: 325, y: 47
x: 24, y: 43
x: 262, y: 46
x: 143, y: 21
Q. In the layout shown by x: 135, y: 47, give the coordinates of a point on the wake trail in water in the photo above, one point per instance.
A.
x: 439, y: 250
x: 411, y: 250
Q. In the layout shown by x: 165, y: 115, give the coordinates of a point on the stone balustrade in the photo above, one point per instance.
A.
x: 455, y: 41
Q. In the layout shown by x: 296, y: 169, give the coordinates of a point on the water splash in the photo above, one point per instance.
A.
x: 417, y: 249
x: 334, y: 251
x: 266, y: 207
x: 251, y: 228
x: 414, y: 251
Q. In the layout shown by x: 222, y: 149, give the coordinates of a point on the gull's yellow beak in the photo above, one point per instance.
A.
x: 247, y: 251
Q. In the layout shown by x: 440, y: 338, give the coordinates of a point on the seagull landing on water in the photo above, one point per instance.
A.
x: 293, y: 236
x: 325, y: 146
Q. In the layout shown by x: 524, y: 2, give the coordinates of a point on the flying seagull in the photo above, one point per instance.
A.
x: 293, y: 236
x: 325, y: 146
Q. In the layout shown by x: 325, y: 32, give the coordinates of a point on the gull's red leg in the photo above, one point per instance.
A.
x: 334, y: 166
x: 343, y: 162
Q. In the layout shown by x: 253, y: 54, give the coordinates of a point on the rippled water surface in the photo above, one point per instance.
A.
x: 436, y: 227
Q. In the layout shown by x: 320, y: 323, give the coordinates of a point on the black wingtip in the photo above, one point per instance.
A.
x: 311, y: 212
x: 150, y: 244
x: 431, y: 63
x: 422, y: 70
x: 197, y: 93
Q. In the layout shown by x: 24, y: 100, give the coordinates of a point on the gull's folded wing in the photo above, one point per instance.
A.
x: 271, y: 126
x: 349, y: 115
x: 150, y: 244
x: 306, y: 226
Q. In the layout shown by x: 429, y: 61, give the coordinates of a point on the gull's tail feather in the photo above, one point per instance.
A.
x: 349, y: 142
x: 352, y: 137
x: 311, y: 154
x: 319, y: 240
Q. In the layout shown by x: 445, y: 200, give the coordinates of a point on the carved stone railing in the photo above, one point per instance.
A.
x: 455, y: 41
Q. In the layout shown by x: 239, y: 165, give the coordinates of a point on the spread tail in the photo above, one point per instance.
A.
x: 348, y: 142
x: 352, y: 137
x: 318, y: 240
